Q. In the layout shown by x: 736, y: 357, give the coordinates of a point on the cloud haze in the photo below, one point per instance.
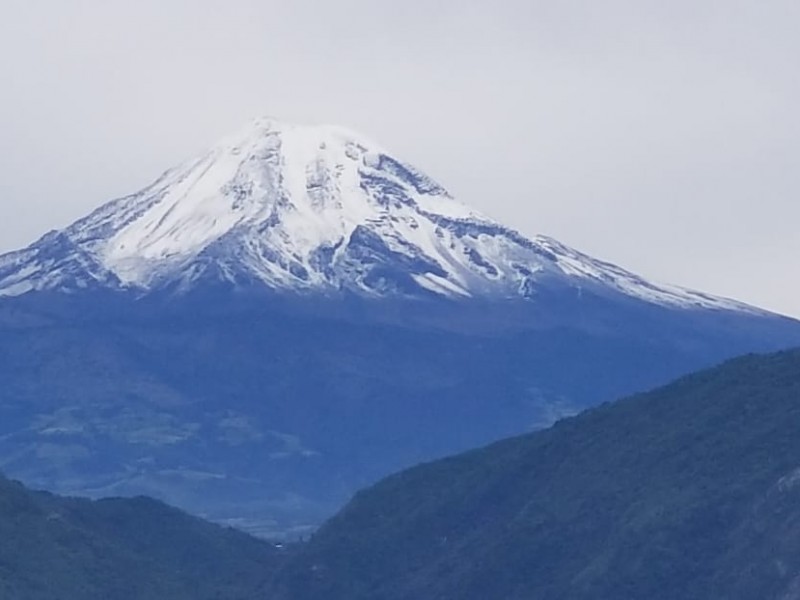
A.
x: 663, y: 136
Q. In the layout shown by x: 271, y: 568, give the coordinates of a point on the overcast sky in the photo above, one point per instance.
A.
x: 662, y: 136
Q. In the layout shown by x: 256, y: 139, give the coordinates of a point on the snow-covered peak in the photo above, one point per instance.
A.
x: 312, y: 135
x: 316, y: 209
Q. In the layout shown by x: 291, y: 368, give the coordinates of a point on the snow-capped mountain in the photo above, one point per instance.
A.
x: 270, y: 407
x: 310, y: 209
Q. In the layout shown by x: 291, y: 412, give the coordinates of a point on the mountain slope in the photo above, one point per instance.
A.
x: 319, y: 209
x: 271, y: 419
x: 53, y: 548
x: 689, y: 491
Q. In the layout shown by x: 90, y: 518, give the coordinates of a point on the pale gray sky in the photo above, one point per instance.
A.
x: 663, y: 136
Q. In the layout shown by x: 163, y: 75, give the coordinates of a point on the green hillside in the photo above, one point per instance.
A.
x: 691, y: 491
x: 54, y: 548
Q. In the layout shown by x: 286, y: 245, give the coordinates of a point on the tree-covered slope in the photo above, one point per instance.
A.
x: 271, y: 413
x: 55, y: 548
x: 689, y: 491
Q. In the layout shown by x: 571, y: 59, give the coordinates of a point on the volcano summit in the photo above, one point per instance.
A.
x: 310, y: 209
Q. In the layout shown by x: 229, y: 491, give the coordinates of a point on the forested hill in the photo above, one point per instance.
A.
x: 54, y: 548
x: 691, y: 491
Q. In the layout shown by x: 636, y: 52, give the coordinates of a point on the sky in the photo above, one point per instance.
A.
x: 661, y: 136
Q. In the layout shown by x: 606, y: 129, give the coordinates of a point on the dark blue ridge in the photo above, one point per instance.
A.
x: 370, y: 248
